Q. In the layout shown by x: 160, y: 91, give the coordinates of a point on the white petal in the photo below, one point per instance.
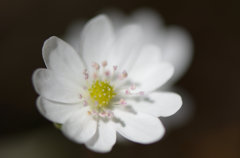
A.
x: 73, y: 34
x: 178, y: 51
x: 151, y: 21
x: 96, y: 39
x: 139, y: 127
x: 104, y: 138
x: 159, y: 104
x: 56, y: 88
x: 126, y: 47
x: 184, y: 114
x: 149, y: 71
x: 80, y: 127
x: 117, y: 18
x: 56, y: 112
x: 62, y: 58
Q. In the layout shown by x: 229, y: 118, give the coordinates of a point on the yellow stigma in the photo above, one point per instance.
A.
x: 101, y: 92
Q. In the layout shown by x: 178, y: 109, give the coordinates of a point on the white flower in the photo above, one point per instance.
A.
x: 107, y: 86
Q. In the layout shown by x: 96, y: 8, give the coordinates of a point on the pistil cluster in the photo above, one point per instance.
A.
x: 100, y: 93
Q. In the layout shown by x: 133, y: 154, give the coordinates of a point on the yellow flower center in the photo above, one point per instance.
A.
x: 101, y: 93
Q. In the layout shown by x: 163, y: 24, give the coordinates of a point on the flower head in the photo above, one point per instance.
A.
x: 106, y: 86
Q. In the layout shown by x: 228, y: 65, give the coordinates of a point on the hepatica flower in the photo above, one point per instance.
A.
x: 106, y: 86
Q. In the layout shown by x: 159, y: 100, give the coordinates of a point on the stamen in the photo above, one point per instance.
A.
x: 122, y: 102
x: 107, y: 73
x: 95, y: 76
x: 96, y: 66
x: 115, y: 67
x: 133, y: 87
x: 85, y: 103
x: 124, y: 74
x: 101, y: 92
x: 102, y: 114
x: 141, y: 93
x: 109, y: 114
x: 104, y: 63
x: 127, y: 92
x: 85, y: 73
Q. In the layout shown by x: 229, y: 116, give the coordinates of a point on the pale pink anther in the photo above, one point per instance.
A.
x: 95, y: 75
x: 86, y: 76
x: 123, y: 102
x: 120, y: 77
x: 104, y: 63
x: 85, y: 103
x: 85, y: 73
x: 133, y: 87
x: 89, y: 113
x: 107, y: 73
x: 127, y: 92
x: 102, y: 114
x: 115, y: 67
x: 109, y: 114
x: 96, y: 66
x: 124, y: 74
x: 141, y: 93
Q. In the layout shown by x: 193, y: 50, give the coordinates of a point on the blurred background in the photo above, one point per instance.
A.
x: 212, y: 80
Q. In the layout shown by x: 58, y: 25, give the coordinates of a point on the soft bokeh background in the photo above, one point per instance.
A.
x: 212, y: 80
